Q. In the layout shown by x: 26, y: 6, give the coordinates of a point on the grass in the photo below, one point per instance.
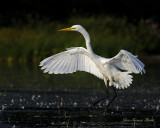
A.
x: 38, y: 39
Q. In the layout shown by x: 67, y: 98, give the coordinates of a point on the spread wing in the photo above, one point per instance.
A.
x: 126, y: 61
x: 72, y: 60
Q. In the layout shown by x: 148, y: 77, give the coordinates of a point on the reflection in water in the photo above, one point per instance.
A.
x: 32, y: 99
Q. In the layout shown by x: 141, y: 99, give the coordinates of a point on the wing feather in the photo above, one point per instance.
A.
x: 126, y: 61
x: 72, y: 60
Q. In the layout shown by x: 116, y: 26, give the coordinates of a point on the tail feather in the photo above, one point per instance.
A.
x: 124, y: 81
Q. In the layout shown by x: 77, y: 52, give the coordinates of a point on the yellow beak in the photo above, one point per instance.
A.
x: 67, y: 29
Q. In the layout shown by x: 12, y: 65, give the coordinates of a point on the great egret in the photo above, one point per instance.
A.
x: 117, y: 69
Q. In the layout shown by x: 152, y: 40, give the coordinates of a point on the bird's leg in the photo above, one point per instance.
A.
x: 115, y: 95
x: 100, y: 100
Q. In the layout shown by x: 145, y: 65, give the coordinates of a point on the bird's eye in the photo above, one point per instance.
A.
x: 73, y: 28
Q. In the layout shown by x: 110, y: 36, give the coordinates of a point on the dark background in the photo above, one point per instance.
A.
x: 60, y: 9
x: 28, y: 28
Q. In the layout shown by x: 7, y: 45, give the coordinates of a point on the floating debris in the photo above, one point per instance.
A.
x: 157, y: 108
x: 33, y: 97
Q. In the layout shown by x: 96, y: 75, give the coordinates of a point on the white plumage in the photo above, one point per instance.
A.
x: 117, y: 69
x: 72, y: 60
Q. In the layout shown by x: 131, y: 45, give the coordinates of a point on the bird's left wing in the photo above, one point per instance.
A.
x: 126, y: 61
x: 72, y: 60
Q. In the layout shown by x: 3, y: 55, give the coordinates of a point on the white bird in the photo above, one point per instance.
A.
x: 117, y: 69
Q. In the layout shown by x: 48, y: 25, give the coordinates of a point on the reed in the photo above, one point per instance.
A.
x: 36, y: 40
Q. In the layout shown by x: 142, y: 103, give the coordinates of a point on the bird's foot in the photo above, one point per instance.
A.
x: 90, y: 108
x: 105, y: 112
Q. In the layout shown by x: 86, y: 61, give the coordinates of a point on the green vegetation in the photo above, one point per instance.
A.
x: 38, y: 39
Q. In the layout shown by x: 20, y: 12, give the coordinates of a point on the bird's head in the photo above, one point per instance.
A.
x: 73, y: 28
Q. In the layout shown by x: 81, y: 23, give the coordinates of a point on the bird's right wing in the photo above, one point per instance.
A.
x: 72, y: 60
x: 126, y: 61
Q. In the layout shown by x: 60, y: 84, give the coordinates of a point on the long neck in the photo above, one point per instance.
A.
x: 87, y: 39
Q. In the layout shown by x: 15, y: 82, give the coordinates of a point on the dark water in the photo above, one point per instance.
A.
x: 29, y: 98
